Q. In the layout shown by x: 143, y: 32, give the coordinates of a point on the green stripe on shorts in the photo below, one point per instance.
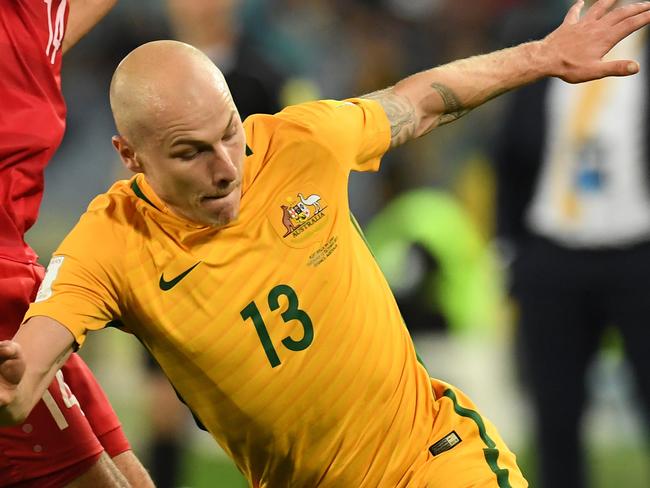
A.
x: 491, y: 453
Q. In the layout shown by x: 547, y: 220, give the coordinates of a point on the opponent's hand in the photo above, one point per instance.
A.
x: 12, y: 369
x: 579, y: 44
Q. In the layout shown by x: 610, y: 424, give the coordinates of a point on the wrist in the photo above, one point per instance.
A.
x: 544, y: 61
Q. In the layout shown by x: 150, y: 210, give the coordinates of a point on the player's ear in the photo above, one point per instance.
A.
x: 127, y: 154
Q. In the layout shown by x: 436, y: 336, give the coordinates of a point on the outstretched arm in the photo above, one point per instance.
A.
x: 83, y: 16
x: 572, y: 52
x: 28, y: 364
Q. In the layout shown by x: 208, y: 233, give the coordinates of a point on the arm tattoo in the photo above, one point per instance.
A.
x: 400, y: 113
x: 454, y: 110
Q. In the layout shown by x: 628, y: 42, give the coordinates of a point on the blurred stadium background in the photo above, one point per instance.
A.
x: 337, y: 49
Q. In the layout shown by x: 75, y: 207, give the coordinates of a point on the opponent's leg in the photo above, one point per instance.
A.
x: 104, y: 422
x: 103, y: 474
x: 56, y: 444
x: 133, y: 470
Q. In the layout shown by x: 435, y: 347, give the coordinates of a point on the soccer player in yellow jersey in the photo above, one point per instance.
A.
x: 232, y: 256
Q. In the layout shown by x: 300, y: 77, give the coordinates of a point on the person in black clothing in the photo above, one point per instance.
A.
x: 573, y: 204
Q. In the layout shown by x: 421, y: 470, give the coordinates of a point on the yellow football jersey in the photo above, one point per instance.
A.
x: 279, y: 330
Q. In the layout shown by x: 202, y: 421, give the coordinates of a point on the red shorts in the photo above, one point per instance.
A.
x: 70, y: 427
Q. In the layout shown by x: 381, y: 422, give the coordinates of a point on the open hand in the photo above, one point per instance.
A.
x: 579, y: 44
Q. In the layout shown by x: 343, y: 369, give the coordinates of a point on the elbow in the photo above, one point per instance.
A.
x: 423, y: 109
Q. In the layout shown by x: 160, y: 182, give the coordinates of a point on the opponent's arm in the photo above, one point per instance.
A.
x: 82, y: 17
x: 572, y: 52
x: 28, y: 364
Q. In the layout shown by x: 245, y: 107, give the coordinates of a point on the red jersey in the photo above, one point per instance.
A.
x: 32, y: 113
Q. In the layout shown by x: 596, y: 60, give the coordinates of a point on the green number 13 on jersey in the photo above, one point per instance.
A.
x: 291, y: 313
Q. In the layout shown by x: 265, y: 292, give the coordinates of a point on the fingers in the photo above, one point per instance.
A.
x: 583, y: 44
x: 9, y: 350
x: 635, y: 22
x: 602, y: 69
x: 627, y: 12
x: 599, y: 9
x: 12, y: 364
x: 573, y: 15
x: 619, y: 68
x: 631, y: 24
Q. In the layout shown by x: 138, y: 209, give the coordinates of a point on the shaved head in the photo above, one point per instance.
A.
x: 178, y: 126
x: 158, y: 79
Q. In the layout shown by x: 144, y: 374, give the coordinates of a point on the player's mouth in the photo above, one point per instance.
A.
x: 215, y: 197
x: 220, y: 195
x: 219, y: 198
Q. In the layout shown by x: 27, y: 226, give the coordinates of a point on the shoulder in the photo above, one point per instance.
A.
x: 295, y: 125
x: 117, y: 206
x: 310, y: 114
x: 349, y: 132
x: 324, y: 120
x: 102, y: 227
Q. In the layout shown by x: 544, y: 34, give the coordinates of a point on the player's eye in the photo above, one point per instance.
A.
x: 230, y: 134
x: 187, y: 156
x: 191, y: 153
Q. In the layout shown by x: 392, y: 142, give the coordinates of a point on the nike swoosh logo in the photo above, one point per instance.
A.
x: 168, y: 285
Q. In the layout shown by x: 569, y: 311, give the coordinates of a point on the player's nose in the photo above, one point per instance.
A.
x: 222, y: 168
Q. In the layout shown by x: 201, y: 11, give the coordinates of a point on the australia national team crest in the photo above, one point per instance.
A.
x: 299, y: 215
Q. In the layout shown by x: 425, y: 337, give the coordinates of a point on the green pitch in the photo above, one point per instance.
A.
x: 623, y: 467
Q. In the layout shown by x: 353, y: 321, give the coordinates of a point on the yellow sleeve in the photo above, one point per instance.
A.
x: 355, y: 130
x: 80, y: 288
